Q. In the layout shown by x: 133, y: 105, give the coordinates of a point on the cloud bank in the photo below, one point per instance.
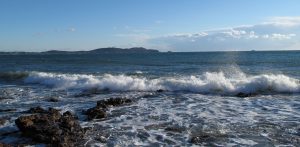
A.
x: 277, y: 33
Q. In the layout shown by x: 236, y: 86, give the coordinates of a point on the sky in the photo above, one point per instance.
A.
x: 166, y: 25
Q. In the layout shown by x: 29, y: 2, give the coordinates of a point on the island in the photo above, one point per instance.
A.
x: 107, y: 50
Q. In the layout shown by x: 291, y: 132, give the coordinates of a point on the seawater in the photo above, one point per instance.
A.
x: 199, y: 96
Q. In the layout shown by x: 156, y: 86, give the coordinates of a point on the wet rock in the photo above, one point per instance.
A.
x: 207, y: 138
x: 242, y: 94
x: 2, y: 122
x: 37, y: 109
x: 8, y: 110
x: 69, y: 114
x: 5, y: 97
x: 101, y: 139
x: 52, y: 128
x: 53, y: 99
x: 160, y: 90
x: 202, y: 138
x: 113, y: 102
x: 102, y: 106
x: 175, y: 128
x: 5, y: 145
x: 95, y: 113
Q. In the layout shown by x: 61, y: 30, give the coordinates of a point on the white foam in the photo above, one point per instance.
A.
x: 244, y: 141
x: 138, y: 72
x: 207, y: 83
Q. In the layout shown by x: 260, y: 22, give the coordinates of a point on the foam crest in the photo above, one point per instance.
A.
x: 62, y: 81
x: 207, y: 83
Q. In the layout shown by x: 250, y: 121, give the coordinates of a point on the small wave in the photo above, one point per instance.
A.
x: 207, y: 83
x: 13, y: 76
x: 138, y: 72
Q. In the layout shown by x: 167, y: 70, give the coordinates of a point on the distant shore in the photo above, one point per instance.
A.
x: 107, y: 50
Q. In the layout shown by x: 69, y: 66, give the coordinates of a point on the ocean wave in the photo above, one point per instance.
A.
x: 13, y: 76
x: 206, y: 83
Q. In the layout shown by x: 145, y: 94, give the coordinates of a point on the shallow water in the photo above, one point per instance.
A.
x: 198, y: 97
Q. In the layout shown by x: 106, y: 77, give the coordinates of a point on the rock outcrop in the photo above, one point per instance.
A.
x: 99, y: 111
x: 50, y: 127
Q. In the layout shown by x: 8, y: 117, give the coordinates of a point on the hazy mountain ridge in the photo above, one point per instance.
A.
x: 94, y: 51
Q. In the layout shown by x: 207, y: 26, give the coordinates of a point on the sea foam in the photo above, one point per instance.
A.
x: 206, y: 83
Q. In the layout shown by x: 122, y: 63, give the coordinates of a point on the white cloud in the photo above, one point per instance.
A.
x: 276, y: 33
x: 235, y: 33
x: 283, y: 21
x: 282, y: 36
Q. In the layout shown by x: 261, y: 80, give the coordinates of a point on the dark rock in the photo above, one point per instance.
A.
x: 37, y: 109
x: 201, y: 138
x: 53, y: 99
x: 101, y: 139
x: 54, y: 113
x: 2, y: 122
x: 51, y: 127
x: 8, y: 110
x: 5, y: 98
x: 242, y: 94
x: 99, y: 111
x: 95, y: 113
x: 113, y: 102
x: 159, y: 90
x: 208, y: 138
x: 176, y: 129
x: 5, y: 145
x: 69, y: 114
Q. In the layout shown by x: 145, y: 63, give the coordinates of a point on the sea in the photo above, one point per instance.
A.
x: 249, y: 98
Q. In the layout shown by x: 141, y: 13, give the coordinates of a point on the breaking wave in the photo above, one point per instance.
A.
x: 12, y: 76
x: 206, y: 83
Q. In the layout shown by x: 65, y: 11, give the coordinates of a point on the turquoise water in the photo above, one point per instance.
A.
x: 199, y: 95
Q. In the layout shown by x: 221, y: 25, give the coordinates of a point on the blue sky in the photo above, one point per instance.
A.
x: 176, y: 25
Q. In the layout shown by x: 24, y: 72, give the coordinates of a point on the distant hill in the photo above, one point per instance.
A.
x: 120, y: 50
x: 108, y: 50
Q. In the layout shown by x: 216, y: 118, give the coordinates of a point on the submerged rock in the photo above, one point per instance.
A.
x: 175, y: 128
x: 53, y: 99
x: 207, y: 138
x: 160, y: 90
x: 202, y: 138
x: 8, y: 110
x: 113, y: 102
x: 99, y: 111
x: 51, y: 127
x: 2, y: 122
x: 242, y: 94
x: 91, y: 92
